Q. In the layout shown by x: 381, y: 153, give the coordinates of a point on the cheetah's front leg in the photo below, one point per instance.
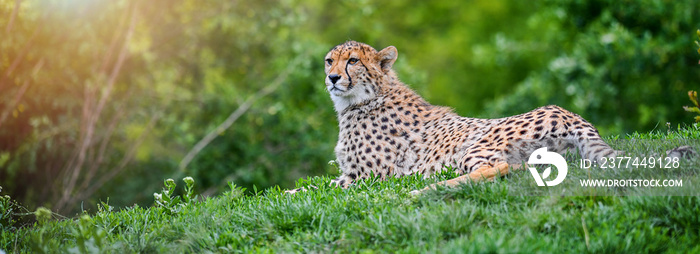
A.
x: 343, y: 181
x: 485, y: 173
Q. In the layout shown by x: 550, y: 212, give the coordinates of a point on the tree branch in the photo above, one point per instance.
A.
x: 18, y: 59
x: 20, y: 93
x: 92, y: 117
x: 236, y: 114
x: 8, y: 29
x: 128, y: 157
x: 97, y: 162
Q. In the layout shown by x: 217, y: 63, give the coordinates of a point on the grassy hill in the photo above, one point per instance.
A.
x: 377, y: 216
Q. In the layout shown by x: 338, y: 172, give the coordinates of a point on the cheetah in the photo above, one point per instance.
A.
x: 388, y: 130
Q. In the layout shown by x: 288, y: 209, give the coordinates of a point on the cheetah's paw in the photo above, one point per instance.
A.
x: 421, y: 191
x: 295, y: 191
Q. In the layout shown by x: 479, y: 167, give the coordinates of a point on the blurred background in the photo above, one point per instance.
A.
x: 106, y: 98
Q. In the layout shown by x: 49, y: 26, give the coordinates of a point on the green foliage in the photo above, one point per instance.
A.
x: 43, y: 215
x: 381, y: 216
x: 693, y: 95
x: 234, y: 191
x: 7, y: 210
x: 610, y: 56
x: 88, y: 237
x: 13, y: 217
x: 171, y: 203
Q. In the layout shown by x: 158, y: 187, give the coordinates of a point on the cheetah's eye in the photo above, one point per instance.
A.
x: 329, y: 61
x: 352, y: 60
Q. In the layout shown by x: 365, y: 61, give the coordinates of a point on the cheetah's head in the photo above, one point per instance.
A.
x: 354, y: 72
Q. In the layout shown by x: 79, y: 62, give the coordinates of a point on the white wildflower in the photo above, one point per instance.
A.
x: 188, y: 180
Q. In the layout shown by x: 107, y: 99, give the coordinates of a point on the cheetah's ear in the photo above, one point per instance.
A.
x: 386, y: 58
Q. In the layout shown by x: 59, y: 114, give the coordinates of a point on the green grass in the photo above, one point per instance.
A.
x: 380, y: 216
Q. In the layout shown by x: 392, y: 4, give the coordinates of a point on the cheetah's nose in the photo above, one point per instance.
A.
x: 334, y: 78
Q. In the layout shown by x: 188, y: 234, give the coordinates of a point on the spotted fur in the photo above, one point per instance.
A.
x: 388, y: 130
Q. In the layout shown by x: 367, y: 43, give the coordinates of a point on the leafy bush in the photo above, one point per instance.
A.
x: 624, y: 66
x: 693, y: 95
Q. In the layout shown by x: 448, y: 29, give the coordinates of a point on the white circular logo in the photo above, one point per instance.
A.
x: 542, y: 156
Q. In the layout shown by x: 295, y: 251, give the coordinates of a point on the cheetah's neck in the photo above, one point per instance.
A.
x: 342, y: 102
